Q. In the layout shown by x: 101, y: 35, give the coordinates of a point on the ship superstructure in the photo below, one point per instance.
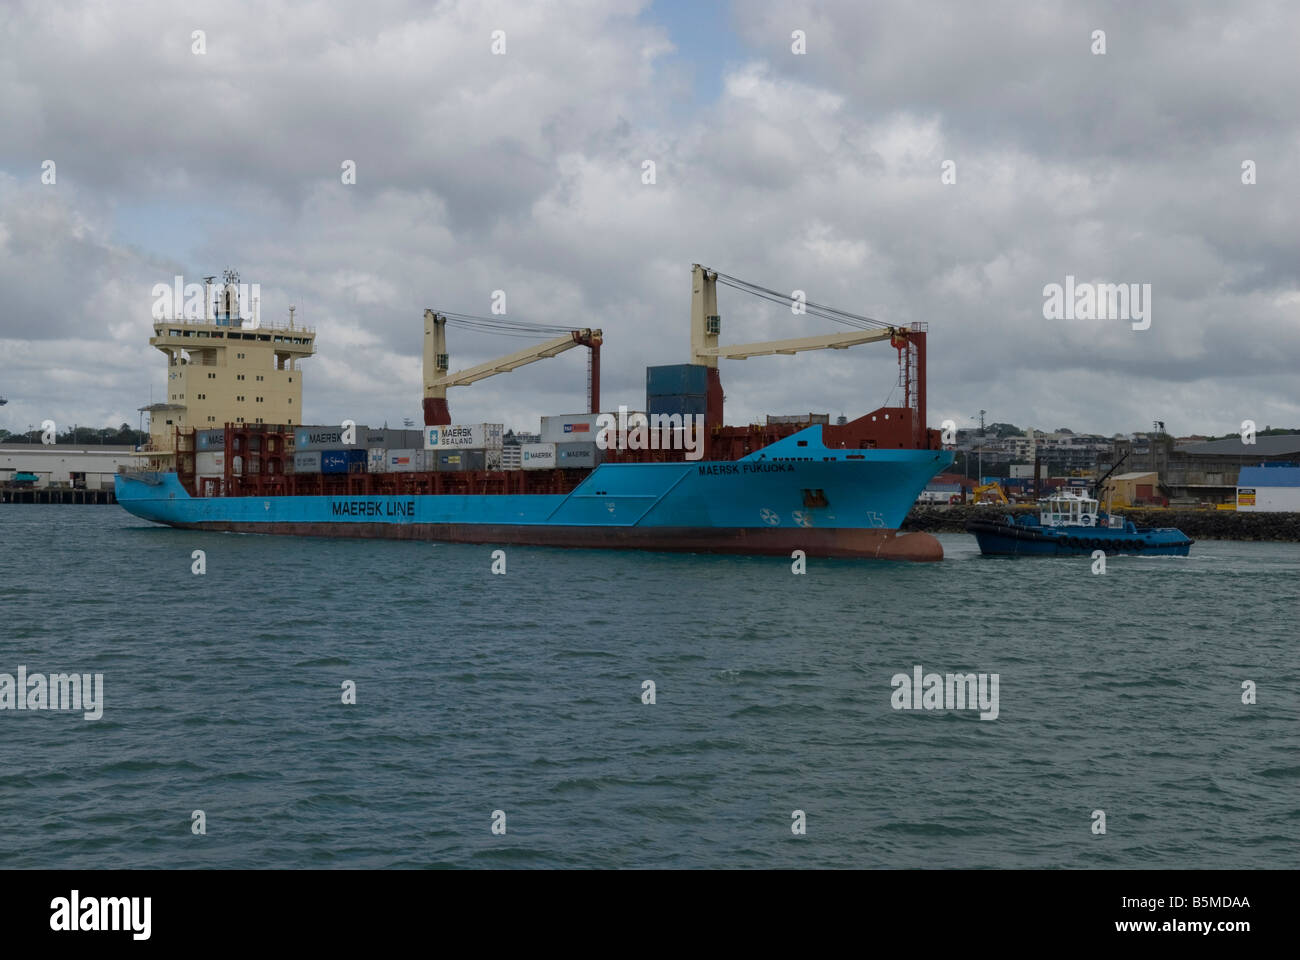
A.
x: 224, y: 366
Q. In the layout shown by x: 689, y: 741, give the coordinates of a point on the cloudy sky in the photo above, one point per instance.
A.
x: 820, y: 171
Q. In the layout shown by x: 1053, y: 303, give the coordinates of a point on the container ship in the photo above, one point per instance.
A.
x: 671, y: 477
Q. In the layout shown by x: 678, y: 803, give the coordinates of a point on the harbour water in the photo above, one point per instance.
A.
x: 523, y: 693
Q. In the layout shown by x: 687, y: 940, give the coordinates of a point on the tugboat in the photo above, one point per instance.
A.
x: 1069, y: 524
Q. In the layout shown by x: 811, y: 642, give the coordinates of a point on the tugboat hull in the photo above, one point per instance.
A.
x: 1003, y: 537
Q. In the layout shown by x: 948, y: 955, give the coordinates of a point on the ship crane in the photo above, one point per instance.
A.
x: 437, y: 361
x: 706, y: 330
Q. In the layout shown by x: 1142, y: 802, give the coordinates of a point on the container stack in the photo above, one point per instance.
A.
x: 210, y: 454
x: 678, y: 388
x: 574, y: 438
x: 460, y: 447
x: 320, y: 449
x: 379, y: 443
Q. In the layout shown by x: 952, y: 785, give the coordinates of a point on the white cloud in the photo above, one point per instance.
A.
x: 523, y: 173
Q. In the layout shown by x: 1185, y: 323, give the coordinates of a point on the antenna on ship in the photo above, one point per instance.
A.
x: 292, y: 308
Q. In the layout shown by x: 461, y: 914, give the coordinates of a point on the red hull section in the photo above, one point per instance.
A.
x: 854, y: 543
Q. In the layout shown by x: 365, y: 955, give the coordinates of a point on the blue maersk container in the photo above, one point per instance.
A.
x: 343, y: 461
x: 686, y: 406
x: 677, y: 380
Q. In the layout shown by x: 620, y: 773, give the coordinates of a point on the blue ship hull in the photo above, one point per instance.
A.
x: 794, y: 494
x: 1003, y: 537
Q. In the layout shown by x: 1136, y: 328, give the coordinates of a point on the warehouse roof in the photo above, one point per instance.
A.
x: 1269, y: 477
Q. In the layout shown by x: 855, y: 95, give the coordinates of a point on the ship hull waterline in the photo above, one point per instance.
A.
x: 757, y: 541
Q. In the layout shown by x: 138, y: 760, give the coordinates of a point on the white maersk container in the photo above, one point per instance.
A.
x: 537, y: 456
x: 581, y: 427
x: 376, y: 460
x: 464, y: 436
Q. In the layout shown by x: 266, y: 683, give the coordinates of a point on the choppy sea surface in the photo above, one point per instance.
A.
x: 522, y: 693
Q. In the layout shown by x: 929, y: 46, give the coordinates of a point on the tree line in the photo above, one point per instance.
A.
x: 125, y: 435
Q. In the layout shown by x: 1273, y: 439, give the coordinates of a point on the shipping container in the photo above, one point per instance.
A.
x: 676, y: 406
x: 460, y: 436
x: 405, y: 461
x: 210, y: 440
x: 577, y: 427
x: 343, y: 461
x: 677, y: 379
x: 459, y: 460
x: 308, y: 462
x: 328, y: 437
x: 391, y: 439
x: 376, y: 459
x: 210, y: 464
x: 537, y: 456
x: 570, y: 456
